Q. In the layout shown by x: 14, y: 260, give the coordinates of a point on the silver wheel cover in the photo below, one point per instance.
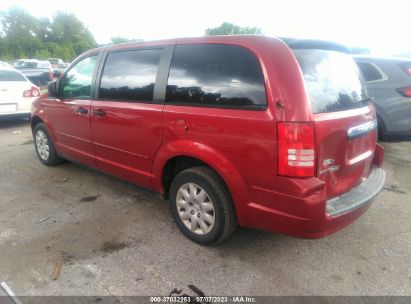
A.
x: 195, y: 208
x: 42, y: 145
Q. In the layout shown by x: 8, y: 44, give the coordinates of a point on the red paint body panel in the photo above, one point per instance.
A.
x: 126, y: 138
x: 71, y: 130
x: 134, y: 141
x: 354, y: 156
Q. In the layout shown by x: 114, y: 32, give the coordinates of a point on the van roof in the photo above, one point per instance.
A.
x: 291, y: 42
x: 371, y: 58
x: 295, y: 43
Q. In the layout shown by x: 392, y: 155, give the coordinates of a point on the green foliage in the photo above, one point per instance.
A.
x: 24, y: 36
x: 232, y: 29
x: 118, y: 39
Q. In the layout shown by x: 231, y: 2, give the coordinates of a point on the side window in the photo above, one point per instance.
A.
x: 215, y: 74
x: 369, y: 71
x: 130, y: 75
x: 77, y: 82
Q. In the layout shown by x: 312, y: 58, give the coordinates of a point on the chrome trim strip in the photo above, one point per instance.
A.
x: 362, y: 129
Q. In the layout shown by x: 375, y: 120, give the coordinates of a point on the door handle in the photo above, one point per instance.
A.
x: 81, y: 111
x: 99, y: 113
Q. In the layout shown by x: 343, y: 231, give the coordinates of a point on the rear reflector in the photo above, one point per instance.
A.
x: 33, y: 92
x: 406, y: 92
x: 296, y: 151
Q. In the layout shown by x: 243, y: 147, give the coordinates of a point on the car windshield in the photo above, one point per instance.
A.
x: 11, y: 76
x: 333, y: 80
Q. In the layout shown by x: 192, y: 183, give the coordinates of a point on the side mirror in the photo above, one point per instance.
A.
x: 52, y: 89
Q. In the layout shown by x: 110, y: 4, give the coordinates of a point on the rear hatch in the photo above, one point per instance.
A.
x: 12, y: 91
x: 345, y: 124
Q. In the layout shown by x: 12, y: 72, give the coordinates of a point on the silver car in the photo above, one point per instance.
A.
x: 389, y: 82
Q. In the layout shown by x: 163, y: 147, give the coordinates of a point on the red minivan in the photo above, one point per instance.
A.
x: 268, y: 133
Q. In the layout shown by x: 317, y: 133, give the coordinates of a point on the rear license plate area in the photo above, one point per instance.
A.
x: 8, y: 108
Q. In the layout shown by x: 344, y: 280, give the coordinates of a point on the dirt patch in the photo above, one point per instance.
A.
x: 112, y: 246
x: 394, y: 188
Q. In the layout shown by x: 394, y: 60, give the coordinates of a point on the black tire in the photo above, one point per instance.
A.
x: 53, y: 158
x: 225, y: 219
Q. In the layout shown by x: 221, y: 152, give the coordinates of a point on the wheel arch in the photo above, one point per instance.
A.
x: 185, y: 154
x: 35, y: 120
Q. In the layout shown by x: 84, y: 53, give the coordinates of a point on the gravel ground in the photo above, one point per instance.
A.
x: 116, y: 239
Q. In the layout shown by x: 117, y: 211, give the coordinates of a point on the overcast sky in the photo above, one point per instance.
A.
x: 382, y: 25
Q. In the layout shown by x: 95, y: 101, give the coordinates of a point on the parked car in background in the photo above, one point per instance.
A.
x: 389, y: 82
x: 19, y: 62
x: 5, y: 64
x: 275, y: 134
x: 55, y: 62
x: 60, y: 69
x: 16, y: 94
x: 39, y: 72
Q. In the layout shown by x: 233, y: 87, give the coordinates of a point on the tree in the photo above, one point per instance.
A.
x: 69, y: 31
x: 24, y: 36
x: 231, y: 29
x: 20, y: 31
x: 119, y: 39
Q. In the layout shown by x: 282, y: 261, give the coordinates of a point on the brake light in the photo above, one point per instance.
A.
x: 406, y: 92
x: 33, y: 92
x: 296, y: 149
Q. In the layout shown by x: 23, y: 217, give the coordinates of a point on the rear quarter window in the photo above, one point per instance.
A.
x: 369, y: 71
x: 216, y: 75
x: 333, y: 80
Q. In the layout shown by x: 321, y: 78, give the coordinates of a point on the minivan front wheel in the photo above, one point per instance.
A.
x: 201, y: 206
x: 44, y: 146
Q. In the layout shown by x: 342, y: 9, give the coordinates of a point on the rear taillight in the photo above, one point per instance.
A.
x: 406, y: 92
x: 296, y: 149
x: 33, y: 92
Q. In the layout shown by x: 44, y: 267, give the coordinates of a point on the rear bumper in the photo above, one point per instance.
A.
x: 357, y: 196
x: 14, y: 115
x: 313, y: 216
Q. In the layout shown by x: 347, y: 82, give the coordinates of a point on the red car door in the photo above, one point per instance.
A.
x: 69, y: 115
x: 125, y: 120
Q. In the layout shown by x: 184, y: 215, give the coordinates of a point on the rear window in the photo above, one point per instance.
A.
x: 11, y: 76
x: 333, y: 80
x: 369, y: 71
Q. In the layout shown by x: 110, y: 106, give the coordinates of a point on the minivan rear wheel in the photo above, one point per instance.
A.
x: 44, y: 146
x: 201, y: 206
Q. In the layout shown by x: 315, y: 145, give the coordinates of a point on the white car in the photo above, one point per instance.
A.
x: 16, y: 94
x: 4, y: 64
